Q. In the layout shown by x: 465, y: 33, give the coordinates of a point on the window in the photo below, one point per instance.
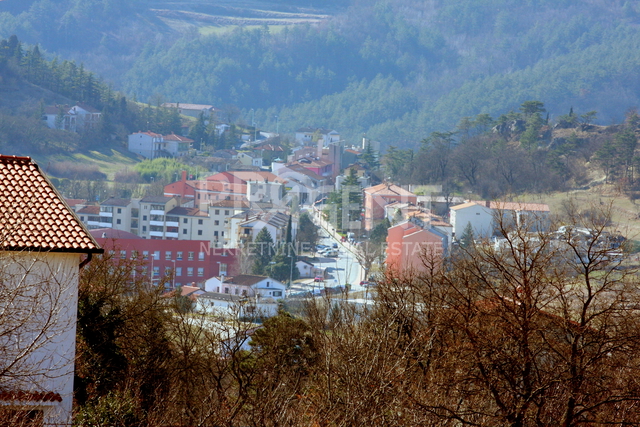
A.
x: 215, y: 234
x: 134, y: 254
x: 145, y: 254
x: 179, y: 255
x: 226, y: 290
x: 217, y: 212
x: 267, y: 284
x: 135, y: 213
x: 144, y: 228
x: 144, y: 217
x: 222, y: 234
x: 189, y: 271
x: 277, y: 293
x: 178, y: 271
x: 167, y: 255
x: 236, y: 291
x: 119, y: 210
x: 156, y: 255
x: 184, y: 231
x: 200, y: 256
x: 223, y: 269
x: 199, y: 222
x: 118, y: 221
x: 157, y: 228
x: 199, y: 232
x: 123, y: 254
x: 173, y: 219
x: 200, y: 271
x: 184, y: 220
x: 81, y: 218
x: 216, y: 222
x: 226, y: 212
x: 156, y: 270
x: 190, y: 256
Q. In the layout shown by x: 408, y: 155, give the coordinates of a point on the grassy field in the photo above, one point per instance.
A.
x: 109, y: 160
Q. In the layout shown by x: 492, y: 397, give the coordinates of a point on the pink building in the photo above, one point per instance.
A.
x: 411, y: 248
x: 379, y: 196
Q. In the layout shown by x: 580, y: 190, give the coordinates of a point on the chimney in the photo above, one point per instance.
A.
x: 184, y: 176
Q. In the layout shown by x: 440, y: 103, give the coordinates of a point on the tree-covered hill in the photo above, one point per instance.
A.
x: 396, y: 70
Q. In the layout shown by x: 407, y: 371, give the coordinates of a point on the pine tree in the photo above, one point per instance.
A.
x: 263, y: 250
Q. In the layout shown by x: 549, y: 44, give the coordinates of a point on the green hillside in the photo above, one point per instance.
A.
x: 395, y: 70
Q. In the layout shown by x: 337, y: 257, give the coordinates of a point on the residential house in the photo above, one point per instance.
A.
x: 176, y: 145
x: 193, y: 110
x: 378, y: 196
x: 307, y: 185
x: 250, y: 158
x: 43, y: 246
x: 306, y: 135
x: 269, y: 152
x: 275, y: 222
x: 234, y: 306
x: 147, y: 144
x: 482, y: 216
x: 78, y: 118
x: 247, y: 285
x: 479, y: 216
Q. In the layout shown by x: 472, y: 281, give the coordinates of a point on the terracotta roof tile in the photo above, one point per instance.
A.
x: 33, y: 216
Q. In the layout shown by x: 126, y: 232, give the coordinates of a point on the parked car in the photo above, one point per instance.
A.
x: 335, y: 245
x: 331, y: 254
x: 318, y: 279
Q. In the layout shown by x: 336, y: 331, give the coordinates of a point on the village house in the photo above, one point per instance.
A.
x: 78, y: 118
x: 193, y: 110
x: 152, y: 145
x: 247, y: 285
x: 482, y: 216
x: 378, y: 196
x: 43, y: 246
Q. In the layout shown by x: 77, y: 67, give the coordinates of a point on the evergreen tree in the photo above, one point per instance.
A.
x: 466, y: 239
x: 263, y: 250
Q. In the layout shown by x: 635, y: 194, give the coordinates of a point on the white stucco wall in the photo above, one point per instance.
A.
x: 39, y: 309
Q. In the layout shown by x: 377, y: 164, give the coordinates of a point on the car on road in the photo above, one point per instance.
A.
x: 334, y: 246
x: 331, y: 254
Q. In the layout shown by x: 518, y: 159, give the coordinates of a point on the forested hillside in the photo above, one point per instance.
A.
x: 396, y: 70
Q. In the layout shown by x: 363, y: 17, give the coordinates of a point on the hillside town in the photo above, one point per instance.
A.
x: 207, y: 228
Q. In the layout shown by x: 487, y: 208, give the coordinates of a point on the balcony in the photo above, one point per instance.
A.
x: 156, y: 234
x: 105, y: 225
x: 109, y: 214
x: 157, y: 223
x: 171, y: 235
x: 171, y: 223
x: 156, y: 212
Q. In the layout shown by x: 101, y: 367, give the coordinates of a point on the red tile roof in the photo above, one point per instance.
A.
x: 33, y: 216
x: 174, y: 137
x: 29, y: 396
